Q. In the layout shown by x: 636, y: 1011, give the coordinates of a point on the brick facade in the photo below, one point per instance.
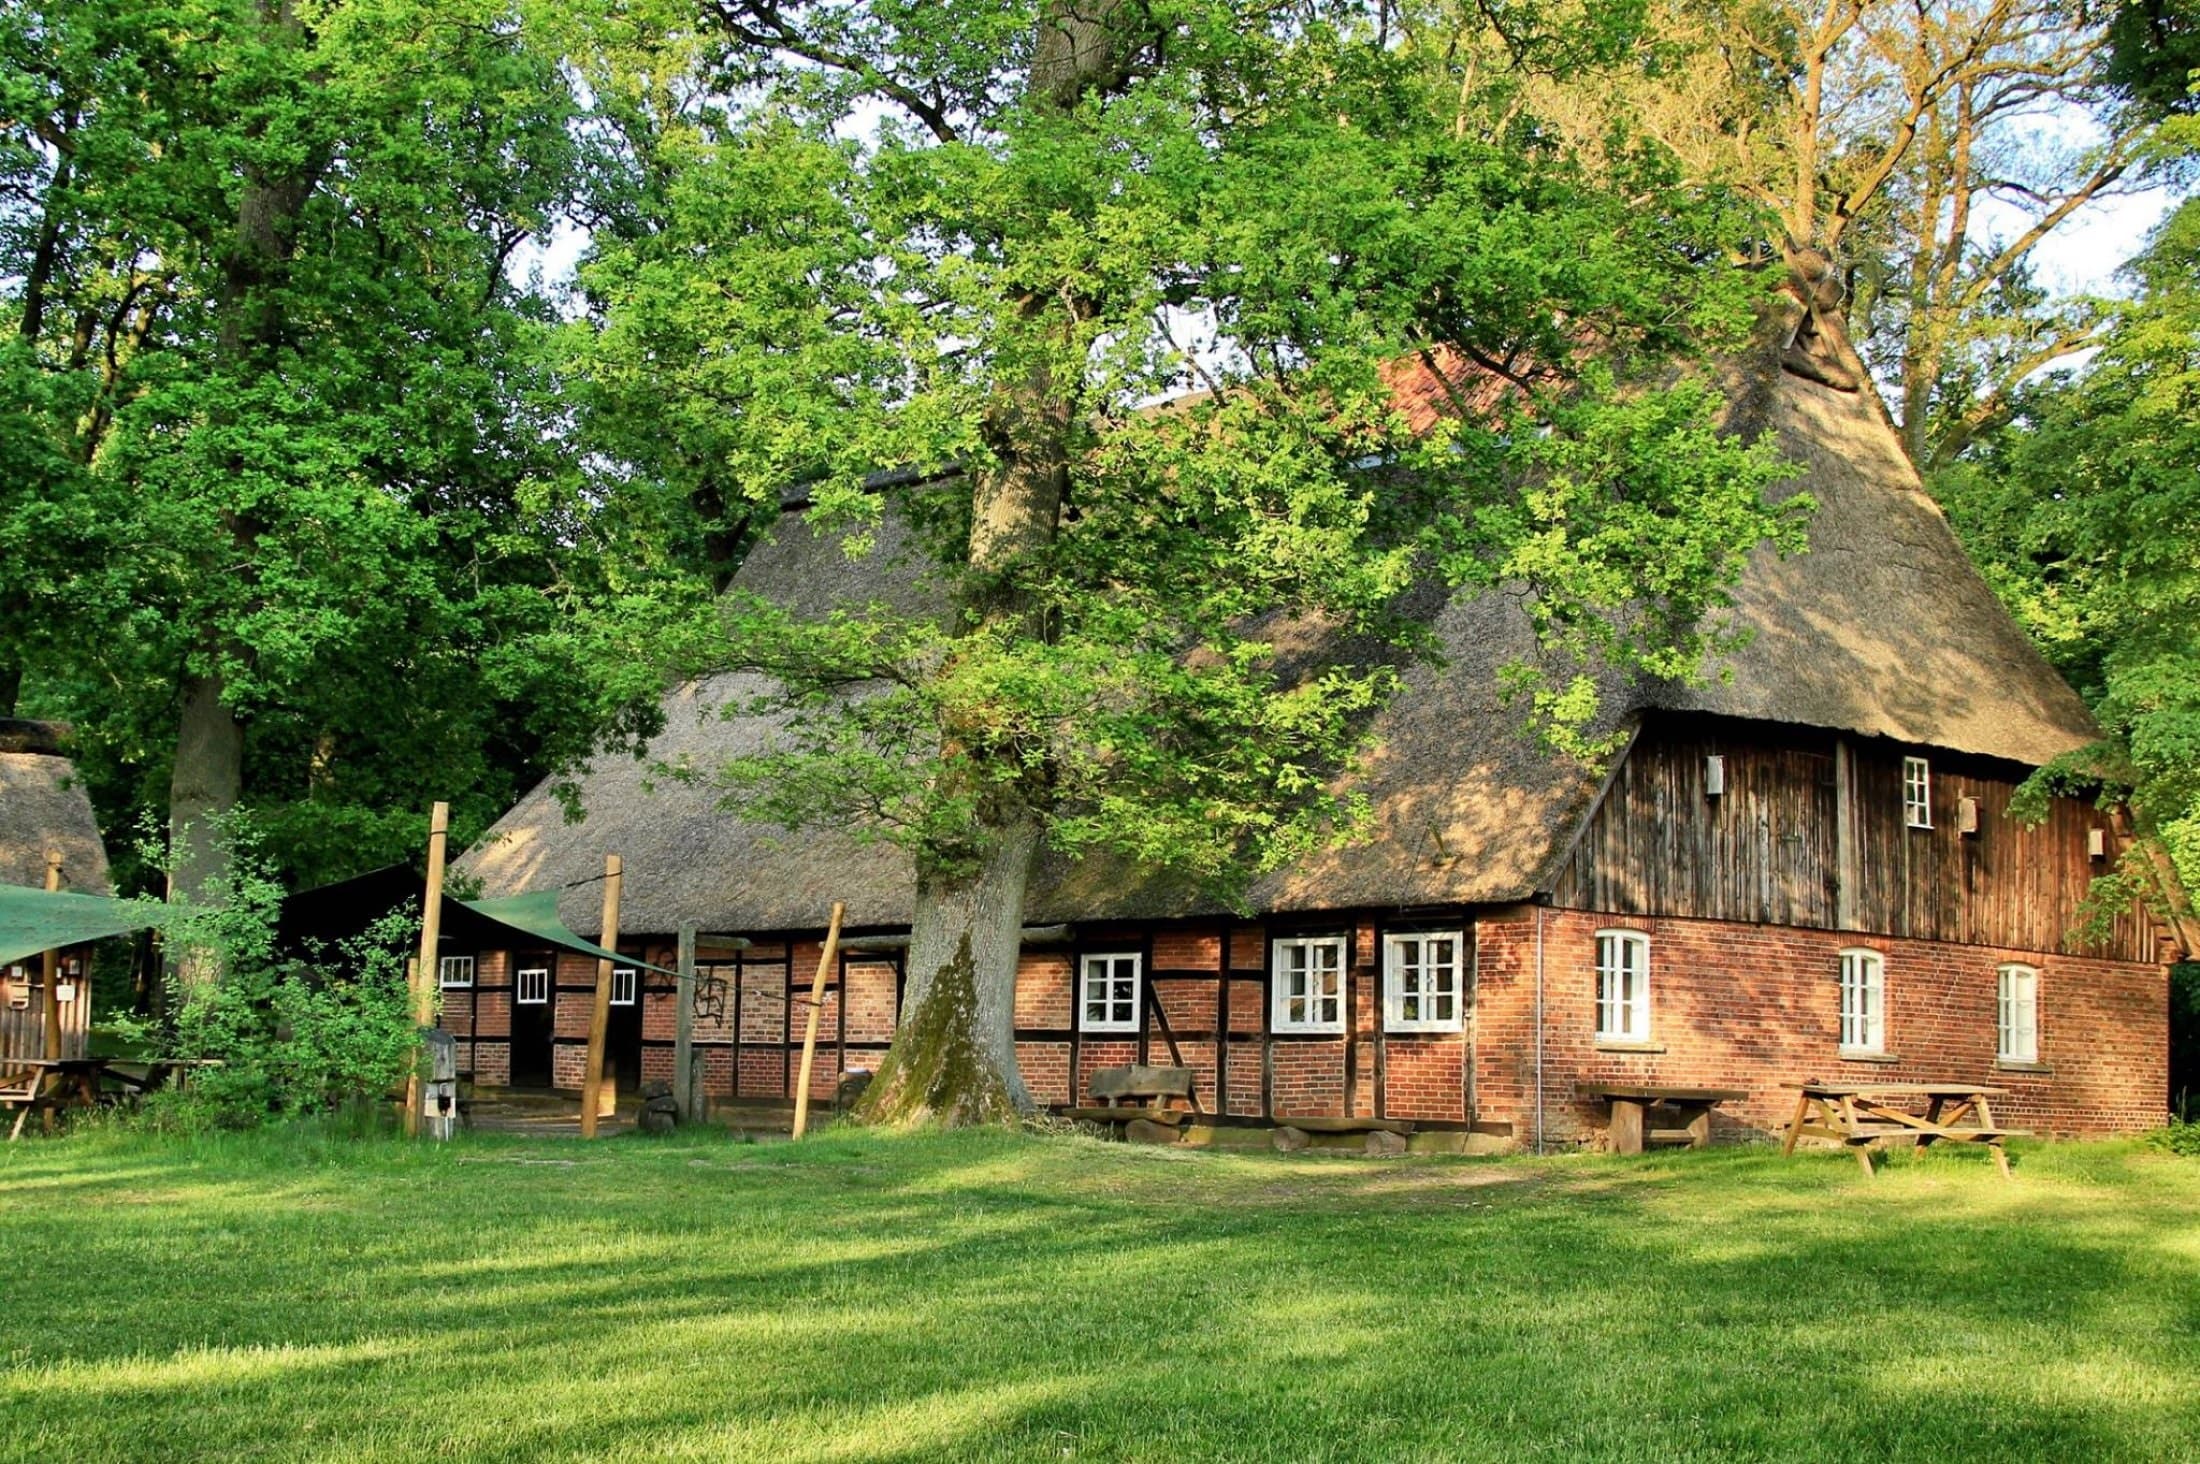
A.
x: 1754, y: 1006
x: 1732, y: 1005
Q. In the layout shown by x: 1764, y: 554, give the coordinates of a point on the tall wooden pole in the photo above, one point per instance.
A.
x: 52, y: 1079
x: 599, y: 1020
x: 426, y: 972
x: 683, y: 1032
x: 809, y: 1030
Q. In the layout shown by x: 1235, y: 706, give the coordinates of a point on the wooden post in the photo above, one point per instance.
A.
x: 426, y: 973
x: 683, y: 1031
x: 809, y: 1032
x: 52, y: 1044
x: 599, y: 1019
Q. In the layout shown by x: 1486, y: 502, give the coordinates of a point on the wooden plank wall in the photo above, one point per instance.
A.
x: 1769, y: 851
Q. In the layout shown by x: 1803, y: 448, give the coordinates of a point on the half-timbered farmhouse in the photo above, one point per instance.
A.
x: 1802, y: 868
x: 47, y: 831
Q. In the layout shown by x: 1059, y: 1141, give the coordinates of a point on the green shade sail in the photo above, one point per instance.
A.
x: 536, y: 915
x: 33, y: 920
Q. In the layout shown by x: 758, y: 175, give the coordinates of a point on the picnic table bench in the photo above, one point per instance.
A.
x: 1633, y: 1103
x: 1139, y: 1094
x: 1864, y: 1116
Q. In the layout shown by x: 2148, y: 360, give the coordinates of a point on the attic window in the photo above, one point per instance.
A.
x: 454, y: 971
x: 1917, y: 793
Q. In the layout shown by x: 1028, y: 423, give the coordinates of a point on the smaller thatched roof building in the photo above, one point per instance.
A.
x: 43, y: 808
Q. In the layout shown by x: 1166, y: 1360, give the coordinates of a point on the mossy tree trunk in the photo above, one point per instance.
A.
x: 954, y: 1055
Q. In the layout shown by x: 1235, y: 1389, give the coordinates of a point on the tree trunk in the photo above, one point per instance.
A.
x: 954, y: 1055
x: 953, y: 1061
x: 203, y: 787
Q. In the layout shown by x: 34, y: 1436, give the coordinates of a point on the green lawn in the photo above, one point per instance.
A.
x: 988, y: 1297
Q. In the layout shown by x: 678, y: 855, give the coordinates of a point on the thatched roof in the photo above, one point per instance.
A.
x: 42, y: 807
x: 1884, y: 628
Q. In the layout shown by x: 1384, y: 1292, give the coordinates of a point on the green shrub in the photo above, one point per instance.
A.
x: 2180, y: 1137
x: 272, y: 1035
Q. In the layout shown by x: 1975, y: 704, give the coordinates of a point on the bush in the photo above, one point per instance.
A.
x: 274, y: 1036
x: 2182, y: 1136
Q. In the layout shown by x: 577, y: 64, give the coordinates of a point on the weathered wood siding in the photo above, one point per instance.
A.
x: 23, y: 1005
x: 1771, y: 849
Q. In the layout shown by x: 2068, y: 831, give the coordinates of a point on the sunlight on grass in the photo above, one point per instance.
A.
x: 981, y: 1296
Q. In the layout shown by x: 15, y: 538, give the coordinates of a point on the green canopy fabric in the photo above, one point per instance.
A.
x: 536, y: 915
x: 33, y: 920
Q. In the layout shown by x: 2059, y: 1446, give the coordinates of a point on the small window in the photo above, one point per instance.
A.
x: 455, y: 971
x: 1917, y: 793
x: 531, y: 987
x: 2019, y: 1014
x: 1108, y: 994
x: 1309, y: 991
x: 1863, y: 1002
x: 1421, y: 982
x: 625, y: 981
x: 1623, y: 986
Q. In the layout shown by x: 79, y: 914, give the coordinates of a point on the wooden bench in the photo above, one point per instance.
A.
x: 1632, y: 1104
x: 1140, y: 1095
x: 1865, y: 1116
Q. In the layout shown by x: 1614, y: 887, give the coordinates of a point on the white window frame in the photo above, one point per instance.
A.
x: 1917, y: 792
x: 1622, y: 1018
x: 521, y: 985
x: 1111, y: 970
x: 1863, y: 1002
x: 1281, y: 996
x: 2017, y: 1013
x: 454, y: 973
x: 1406, y: 969
x: 626, y: 985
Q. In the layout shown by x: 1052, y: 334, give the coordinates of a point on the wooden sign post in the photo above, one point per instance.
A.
x: 52, y: 1044
x: 683, y: 1031
x: 599, y: 1018
x: 809, y: 1030
x: 426, y: 973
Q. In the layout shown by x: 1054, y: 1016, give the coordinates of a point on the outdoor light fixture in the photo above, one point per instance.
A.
x: 1714, y: 775
x: 1967, y: 815
x: 2096, y: 842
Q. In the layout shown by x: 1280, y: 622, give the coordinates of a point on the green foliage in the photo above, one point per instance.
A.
x: 1277, y: 213
x: 2086, y: 518
x: 280, y: 406
x: 280, y: 1035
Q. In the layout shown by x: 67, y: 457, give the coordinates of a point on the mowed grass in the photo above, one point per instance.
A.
x: 984, y: 1296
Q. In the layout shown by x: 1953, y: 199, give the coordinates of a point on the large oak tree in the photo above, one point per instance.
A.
x: 976, y: 244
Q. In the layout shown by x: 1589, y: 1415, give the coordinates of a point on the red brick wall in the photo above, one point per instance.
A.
x: 1752, y: 1007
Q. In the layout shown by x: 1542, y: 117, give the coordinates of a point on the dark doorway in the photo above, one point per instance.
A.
x: 622, y: 1043
x: 534, y: 1020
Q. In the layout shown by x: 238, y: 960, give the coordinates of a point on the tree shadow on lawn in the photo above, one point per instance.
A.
x: 1021, y: 1299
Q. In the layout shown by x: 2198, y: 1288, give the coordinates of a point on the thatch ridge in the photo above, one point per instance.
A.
x: 43, y: 807
x: 1883, y: 629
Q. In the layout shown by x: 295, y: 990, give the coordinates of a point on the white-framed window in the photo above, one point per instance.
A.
x: 1422, y: 981
x: 1863, y: 1001
x: 531, y: 986
x: 2019, y: 1014
x: 454, y: 971
x: 626, y: 983
x: 1107, y: 992
x: 1309, y: 983
x: 1917, y: 793
x: 1623, y: 986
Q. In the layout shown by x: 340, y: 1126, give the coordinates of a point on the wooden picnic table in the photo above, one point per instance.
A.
x: 55, y: 1083
x: 1632, y: 1104
x: 1863, y: 1116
